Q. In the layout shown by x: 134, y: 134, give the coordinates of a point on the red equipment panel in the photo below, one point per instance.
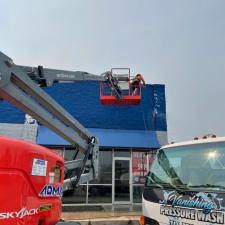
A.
x: 31, y: 179
x: 126, y: 100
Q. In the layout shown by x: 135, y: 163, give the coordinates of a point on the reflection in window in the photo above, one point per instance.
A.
x: 72, y: 154
x: 105, y: 168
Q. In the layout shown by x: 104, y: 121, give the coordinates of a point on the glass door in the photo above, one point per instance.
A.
x: 122, y: 184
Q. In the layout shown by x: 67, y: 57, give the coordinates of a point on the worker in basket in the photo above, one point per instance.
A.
x: 136, y: 83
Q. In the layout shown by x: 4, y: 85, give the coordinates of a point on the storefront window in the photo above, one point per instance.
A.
x: 137, y: 193
x: 78, y: 195
x: 139, y: 167
x: 122, y: 180
x: 141, y: 161
x: 100, y: 194
x: 59, y: 150
x: 99, y: 191
x: 121, y: 153
x: 105, y: 168
x: 72, y: 153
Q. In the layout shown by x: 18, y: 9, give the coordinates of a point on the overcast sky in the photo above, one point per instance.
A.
x: 177, y: 43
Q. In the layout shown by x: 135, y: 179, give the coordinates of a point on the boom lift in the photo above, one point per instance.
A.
x: 21, y: 85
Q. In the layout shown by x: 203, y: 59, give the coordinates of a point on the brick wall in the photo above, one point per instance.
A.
x: 82, y: 101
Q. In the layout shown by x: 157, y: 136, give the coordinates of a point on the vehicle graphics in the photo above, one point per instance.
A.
x: 186, y: 185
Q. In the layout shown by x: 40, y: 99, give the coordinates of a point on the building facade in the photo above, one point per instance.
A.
x: 129, y: 137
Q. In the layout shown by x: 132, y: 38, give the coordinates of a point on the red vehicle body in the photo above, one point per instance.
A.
x: 31, y: 179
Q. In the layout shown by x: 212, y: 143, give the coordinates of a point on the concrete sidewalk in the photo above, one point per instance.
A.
x: 108, y: 216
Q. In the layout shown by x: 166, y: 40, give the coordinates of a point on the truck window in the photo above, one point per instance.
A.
x: 194, y: 166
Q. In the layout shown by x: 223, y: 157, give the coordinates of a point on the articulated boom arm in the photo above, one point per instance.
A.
x: 20, y: 85
x: 47, y: 77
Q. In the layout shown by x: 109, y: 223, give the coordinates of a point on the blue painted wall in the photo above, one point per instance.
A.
x: 82, y: 101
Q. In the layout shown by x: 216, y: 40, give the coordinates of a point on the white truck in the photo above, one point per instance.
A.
x: 186, y: 184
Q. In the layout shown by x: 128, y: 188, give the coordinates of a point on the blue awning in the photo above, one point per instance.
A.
x: 107, y: 138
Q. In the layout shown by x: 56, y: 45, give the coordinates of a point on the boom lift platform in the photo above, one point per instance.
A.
x: 122, y: 78
x: 21, y: 85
